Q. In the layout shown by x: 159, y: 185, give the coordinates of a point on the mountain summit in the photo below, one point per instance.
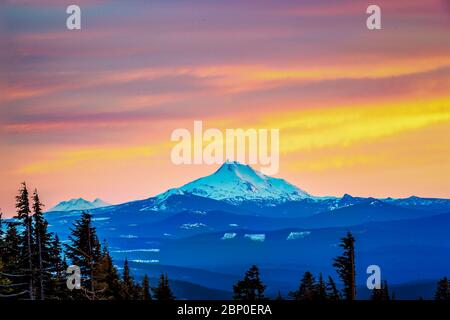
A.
x: 236, y: 182
x: 79, y: 204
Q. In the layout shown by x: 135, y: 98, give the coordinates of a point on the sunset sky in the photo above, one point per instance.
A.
x: 89, y: 113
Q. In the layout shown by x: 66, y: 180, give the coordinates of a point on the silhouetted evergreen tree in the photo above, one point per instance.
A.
x: 146, y: 295
x: 41, y: 249
x: 2, y: 233
x: 14, y: 281
x: 386, y: 295
x: 279, y: 296
x: 128, y: 288
x: 163, y: 292
x: 11, y: 253
x: 442, y: 290
x: 321, y: 289
x: 345, y: 266
x: 381, y: 294
x: 6, y: 290
x: 85, y: 252
x: 332, y: 291
x: 307, y: 288
x: 57, y: 268
x: 5, y: 283
x: 251, y: 287
x: 107, y: 279
x: 25, y: 218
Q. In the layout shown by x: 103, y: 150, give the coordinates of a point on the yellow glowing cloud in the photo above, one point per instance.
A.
x: 237, y: 78
x: 343, y: 126
x: 73, y: 157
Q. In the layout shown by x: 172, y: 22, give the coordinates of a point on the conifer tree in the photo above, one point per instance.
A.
x: 251, y: 287
x: 442, y: 290
x: 2, y: 233
x: 332, y: 291
x: 11, y: 252
x: 146, y: 295
x: 279, y: 296
x: 13, y: 279
x: 128, y: 287
x: 41, y: 250
x: 345, y: 266
x: 5, y: 283
x: 107, y: 278
x: 381, y: 294
x: 25, y: 218
x: 386, y: 295
x: 321, y: 289
x: 307, y: 288
x: 85, y: 252
x: 57, y: 267
x: 163, y: 292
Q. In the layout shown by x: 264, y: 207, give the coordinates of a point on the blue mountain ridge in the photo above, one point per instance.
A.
x: 178, y: 229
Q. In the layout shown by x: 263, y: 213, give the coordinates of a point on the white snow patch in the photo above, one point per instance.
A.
x: 145, y: 261
x: 135, y: 250
x: 229, y: 235
x: 298, y: 235
x: 256, y: 237
x: 100, y: 219
x: 128, y: 236
x: 196, y: 225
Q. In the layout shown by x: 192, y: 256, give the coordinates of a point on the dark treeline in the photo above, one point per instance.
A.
x: 33, y: 266
x: 310, y: 288
x: 33, y: 262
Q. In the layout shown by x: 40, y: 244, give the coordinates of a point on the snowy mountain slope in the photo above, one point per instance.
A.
x: 235, y: 182
x: 79, y: 204
x: 430, y: 204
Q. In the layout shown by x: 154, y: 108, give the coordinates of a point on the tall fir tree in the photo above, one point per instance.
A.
x: 251, y: 288
x: 146, y: 295
x: 5, y: 283
x: 345, y: 266
x: 386, y: 294
x: 85, y: 252
x: 57, y: 267
x: 11, y: 253
x: 163, y: 292
x: 442, y: 290
x: 321, y: 289
x: 279, y: 296
x: 307, y: 288
x: 2, y: 233
x: 25, y: 218
x: 41, y: 250
x: 128, y: 289
x: 14, y: 278
x: 333, y: 293
x: 2, y: 239
x: 381, y: 294
x: 107, y: 280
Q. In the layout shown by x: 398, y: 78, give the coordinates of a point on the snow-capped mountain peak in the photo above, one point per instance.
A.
x: 79, y: 204
x: 236, y: 182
